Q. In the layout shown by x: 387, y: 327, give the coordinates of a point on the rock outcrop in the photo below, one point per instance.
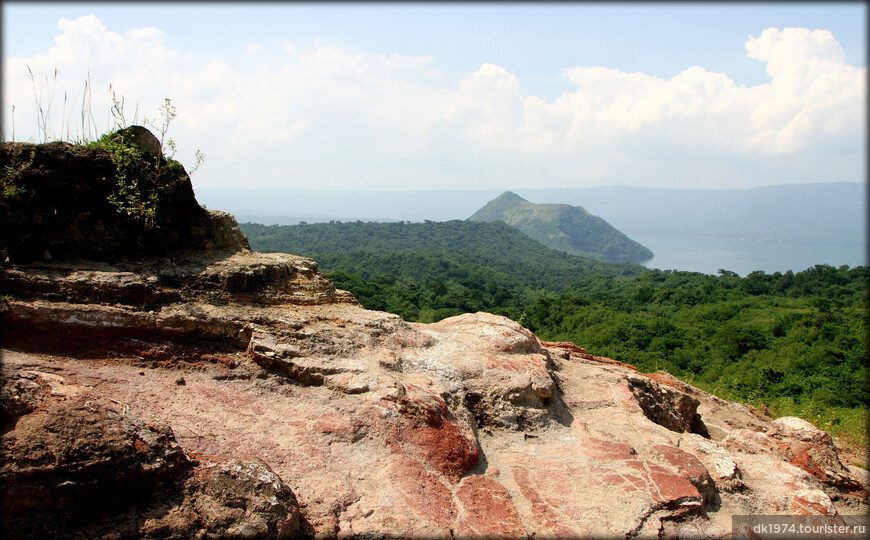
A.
x: 61, y: 200
x: 226, y: 393
x: 79, y: 465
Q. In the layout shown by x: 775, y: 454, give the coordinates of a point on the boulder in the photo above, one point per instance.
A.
x: 78, y: 465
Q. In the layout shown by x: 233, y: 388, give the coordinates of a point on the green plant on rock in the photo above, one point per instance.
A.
x: 200, y: 157
x: 10, y: 182
x: 136, y: 189
x: 167, y: 112
x: 136, y: 173
x: 133, y: 172
x: 44, y: 92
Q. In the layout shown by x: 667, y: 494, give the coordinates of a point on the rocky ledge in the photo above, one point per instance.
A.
x: 221, y: 393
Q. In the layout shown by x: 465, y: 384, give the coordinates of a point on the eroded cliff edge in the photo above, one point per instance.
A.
x: 206, y: 390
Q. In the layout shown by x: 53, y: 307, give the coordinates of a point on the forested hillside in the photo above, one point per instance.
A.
x: 795, y: 343
x: 480, y: 264
x: 564, y: 227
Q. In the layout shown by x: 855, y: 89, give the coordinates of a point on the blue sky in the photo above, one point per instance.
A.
x: 428, y: 95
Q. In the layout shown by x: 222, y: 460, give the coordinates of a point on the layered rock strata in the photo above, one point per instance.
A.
x: 467, y: 427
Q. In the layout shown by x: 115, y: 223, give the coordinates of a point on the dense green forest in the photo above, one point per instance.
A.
x: 479, y: 262
x: 794, y: 342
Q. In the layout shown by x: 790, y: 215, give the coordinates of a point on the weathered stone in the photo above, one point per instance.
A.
x: 80, y: 466
x: 813, y: 450
x: 722, y: 469
x: 143, y: 139
x: 674, y: 410
x: 812, y: 502
x: 236, y: 499
x: 689, y: 467
x: 486, y: 510
x: 422, y: 406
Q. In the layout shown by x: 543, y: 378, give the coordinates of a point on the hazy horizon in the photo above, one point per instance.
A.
x: 519, y: 188
x: 825, y: 211
x: 455, y: 96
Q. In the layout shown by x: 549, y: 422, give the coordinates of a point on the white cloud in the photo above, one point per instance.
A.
x: 813, y: 94
x: 256, y: 49
x: 327, y: 103
x: 398, y: 61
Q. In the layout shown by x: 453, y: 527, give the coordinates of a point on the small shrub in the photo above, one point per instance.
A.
x: 136, y: 178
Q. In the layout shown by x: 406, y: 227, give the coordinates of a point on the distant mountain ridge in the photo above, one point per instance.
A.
x: 833, y: 212
x: 564, y: 227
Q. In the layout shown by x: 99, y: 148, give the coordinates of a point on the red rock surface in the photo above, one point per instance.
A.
x: 467, y: 427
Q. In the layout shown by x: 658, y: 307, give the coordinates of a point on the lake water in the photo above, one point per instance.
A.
x: 708, y: 255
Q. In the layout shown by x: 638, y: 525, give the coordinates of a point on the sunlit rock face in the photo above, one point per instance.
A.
x: 239, y: 394
x: 374, y: 425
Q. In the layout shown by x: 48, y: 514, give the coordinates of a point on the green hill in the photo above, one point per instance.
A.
x: 470, y: 254
x: 564, y: 227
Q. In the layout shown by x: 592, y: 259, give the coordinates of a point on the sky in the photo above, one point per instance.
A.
x: 418, y: 96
